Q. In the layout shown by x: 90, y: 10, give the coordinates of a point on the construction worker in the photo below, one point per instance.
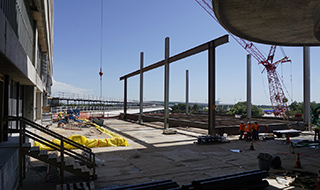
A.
x: 59, y: 116
x: 241, y: 130
x: 248, y: 129
x: 254, y: 131
x: 258, y: 130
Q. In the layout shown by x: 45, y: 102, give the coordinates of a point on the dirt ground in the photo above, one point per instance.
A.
x: 152, y: 155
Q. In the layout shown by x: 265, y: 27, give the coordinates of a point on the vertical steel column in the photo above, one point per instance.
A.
x: 141, y: 87
x: 125, y: 99
x: 17, y: 104
x: 306, y: 86
x: 211, y: 88
x: 166, y: 83
x: 187, y: 91
x: 249, y: 86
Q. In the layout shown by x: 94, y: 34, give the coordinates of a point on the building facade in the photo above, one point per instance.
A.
x: 26, y: 51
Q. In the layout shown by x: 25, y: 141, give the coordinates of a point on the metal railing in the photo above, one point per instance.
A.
x: 23, y: 133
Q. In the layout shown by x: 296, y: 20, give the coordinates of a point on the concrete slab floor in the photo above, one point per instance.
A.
x: 153, y: 156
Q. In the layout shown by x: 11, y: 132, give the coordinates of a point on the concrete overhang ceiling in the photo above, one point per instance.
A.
x: 277, y: 22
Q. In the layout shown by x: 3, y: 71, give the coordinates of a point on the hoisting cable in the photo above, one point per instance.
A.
x: 290, y: 95
x: 291, y: 80
x: 101, y: 73
x: 285, y: 89
x: 264, y: 88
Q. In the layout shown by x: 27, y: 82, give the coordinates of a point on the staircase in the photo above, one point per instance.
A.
x: 62, y: 158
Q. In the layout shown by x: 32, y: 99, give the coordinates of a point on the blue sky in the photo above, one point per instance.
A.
x: 131, y: 27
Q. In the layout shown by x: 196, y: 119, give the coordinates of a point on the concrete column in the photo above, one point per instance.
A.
x: 28, y: 103
x: 211, y: 89
x: 141, y: 87
x: 187, y: 91
x: 125, y: 99
x: 306, y: 86
x: 39, y: 100
x: 35, y: 46
x: 166, y: 83
x: 248, y: 86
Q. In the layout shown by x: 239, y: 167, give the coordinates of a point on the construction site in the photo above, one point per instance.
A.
x: 73, y: 141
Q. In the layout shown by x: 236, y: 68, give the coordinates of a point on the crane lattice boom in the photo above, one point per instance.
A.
x: 277, y: 96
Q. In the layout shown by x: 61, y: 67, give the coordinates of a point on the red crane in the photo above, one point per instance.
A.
x: 277, y: 96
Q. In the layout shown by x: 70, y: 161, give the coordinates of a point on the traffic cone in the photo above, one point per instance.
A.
x: 318, y: 180
x: 288, y: 139
x: 251, y: 145
x: 298, y: 164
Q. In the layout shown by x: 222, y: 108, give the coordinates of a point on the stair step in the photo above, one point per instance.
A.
x: 52, y: 156
x: 64, y: 187
x: 76, y: 186
x: 26, y: 145
x: 35, y: 149
x: 84, y: 184
x: 91, y: 185
x: 85, y: 169
x: 77, y: 166
x: 43, y: 153
x: 68, y: 161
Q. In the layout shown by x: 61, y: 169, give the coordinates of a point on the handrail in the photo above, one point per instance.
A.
x: 45, y: 130
x: 89, y: 161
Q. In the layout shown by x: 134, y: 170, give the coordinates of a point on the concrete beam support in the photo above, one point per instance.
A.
x: 28, y: 103
x: 141, y: 87
x: 248, y: 86
x: 306, y: 86
x: 39, y: 101
x: 211, y: 88
x: 166, y: 83
x: 125, y: 99
x: 210, y: 46
x: 187, y: 92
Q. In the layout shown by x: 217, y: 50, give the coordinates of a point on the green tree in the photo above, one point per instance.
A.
x: 195, y: 108
x: 240, y: 108
x: 179, y: 108
x: 297, y: 107
x: 221, y: 110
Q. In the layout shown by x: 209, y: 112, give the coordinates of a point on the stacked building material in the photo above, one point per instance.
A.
x: 245, y: 180
x: 155, y: 185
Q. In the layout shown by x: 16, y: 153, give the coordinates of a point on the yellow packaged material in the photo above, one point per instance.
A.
x: 115, y: 140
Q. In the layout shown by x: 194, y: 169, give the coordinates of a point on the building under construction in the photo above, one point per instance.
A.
x: 145, y: 151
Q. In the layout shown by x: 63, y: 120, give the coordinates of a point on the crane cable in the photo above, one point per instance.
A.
x: 101, y: 73
x: 262, y: 79
x: 282, y: 79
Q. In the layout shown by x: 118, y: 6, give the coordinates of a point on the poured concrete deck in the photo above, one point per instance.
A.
x: 152, y: 155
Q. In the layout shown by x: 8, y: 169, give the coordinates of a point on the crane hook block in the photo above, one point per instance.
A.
x: 100, y: 73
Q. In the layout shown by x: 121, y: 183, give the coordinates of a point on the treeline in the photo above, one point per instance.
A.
x: 240, y: 108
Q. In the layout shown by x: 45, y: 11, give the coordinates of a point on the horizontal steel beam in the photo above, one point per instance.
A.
x: 187, y: 53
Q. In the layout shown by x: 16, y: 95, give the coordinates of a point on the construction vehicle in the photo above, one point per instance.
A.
x: 277, y: 96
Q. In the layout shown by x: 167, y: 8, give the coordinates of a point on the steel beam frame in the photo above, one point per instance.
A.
x: 210, y: 46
